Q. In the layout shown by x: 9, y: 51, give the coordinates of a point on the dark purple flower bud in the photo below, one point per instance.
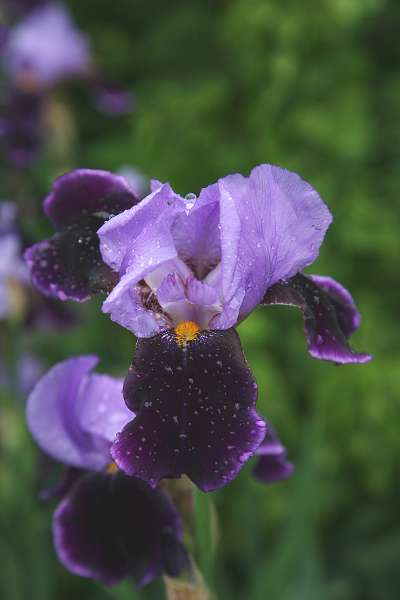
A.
x: 330, y: 315
x: 272, y: 464
x: 69, y: 266
x: 194, y: 398
x: 112, y: 526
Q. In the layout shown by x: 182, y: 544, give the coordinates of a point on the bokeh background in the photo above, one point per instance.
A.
x: 220, y: 86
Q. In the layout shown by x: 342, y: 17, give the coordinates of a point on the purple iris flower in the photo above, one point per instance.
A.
x: 107, y: 526
x: 186, y: 271
x: 272, y: 463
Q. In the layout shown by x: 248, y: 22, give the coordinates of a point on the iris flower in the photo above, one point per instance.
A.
x: 182, y: 273
x: 107, y: 526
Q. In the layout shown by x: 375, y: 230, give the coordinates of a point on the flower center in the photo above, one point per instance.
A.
x: 186, y: 331
x: 111, y: 468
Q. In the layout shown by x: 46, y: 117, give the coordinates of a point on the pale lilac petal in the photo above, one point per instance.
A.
x: 200, y: 293
x: 53, y: 417
x: 139, y: 239
x: 131, y: 306
x: 103, y: 412
x: 272, y: 225
x: 171, y: 289
x: 196, y: 233
x: 73, y: 415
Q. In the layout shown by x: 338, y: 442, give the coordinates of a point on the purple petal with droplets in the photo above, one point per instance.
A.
x: 136, y: 243
x: 272, y: 225
x: 86, y: 192
x: 68, y: 266
x: 196, y: 233
x: 195, y: 410
x: 327, y: 324
x: 112, y: 526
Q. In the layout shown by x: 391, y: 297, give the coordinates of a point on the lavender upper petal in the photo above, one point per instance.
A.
x: 139, y: 239
x: 84, y: 192
x: 196, y: 233
x: 112, y: 526
x: 195, y: 410
x: 136, y: 242
x: 328, y: 317
x: 272, y: 225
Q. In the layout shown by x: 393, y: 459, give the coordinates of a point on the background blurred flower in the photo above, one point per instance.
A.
x: 45, y: 48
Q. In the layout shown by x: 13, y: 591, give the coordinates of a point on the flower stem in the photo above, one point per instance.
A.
x: 204, y: 534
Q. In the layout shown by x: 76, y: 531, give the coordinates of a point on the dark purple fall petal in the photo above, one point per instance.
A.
x: 112, y: 526
x: 68, y: 266
x: 346, y: 311
x: 195, y: 410
x: 330, y: 315
x: 86, y: 192
x: 272, y: 464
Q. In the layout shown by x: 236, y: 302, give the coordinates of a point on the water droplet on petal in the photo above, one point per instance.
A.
x: 190, y: 199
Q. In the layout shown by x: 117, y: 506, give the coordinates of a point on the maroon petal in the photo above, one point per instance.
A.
x: 195, y: 409
x: 330, y: 315
x: 112, y: 526
x: 87, y: 192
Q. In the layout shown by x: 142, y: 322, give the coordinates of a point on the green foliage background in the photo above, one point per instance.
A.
x: 223, y: 85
